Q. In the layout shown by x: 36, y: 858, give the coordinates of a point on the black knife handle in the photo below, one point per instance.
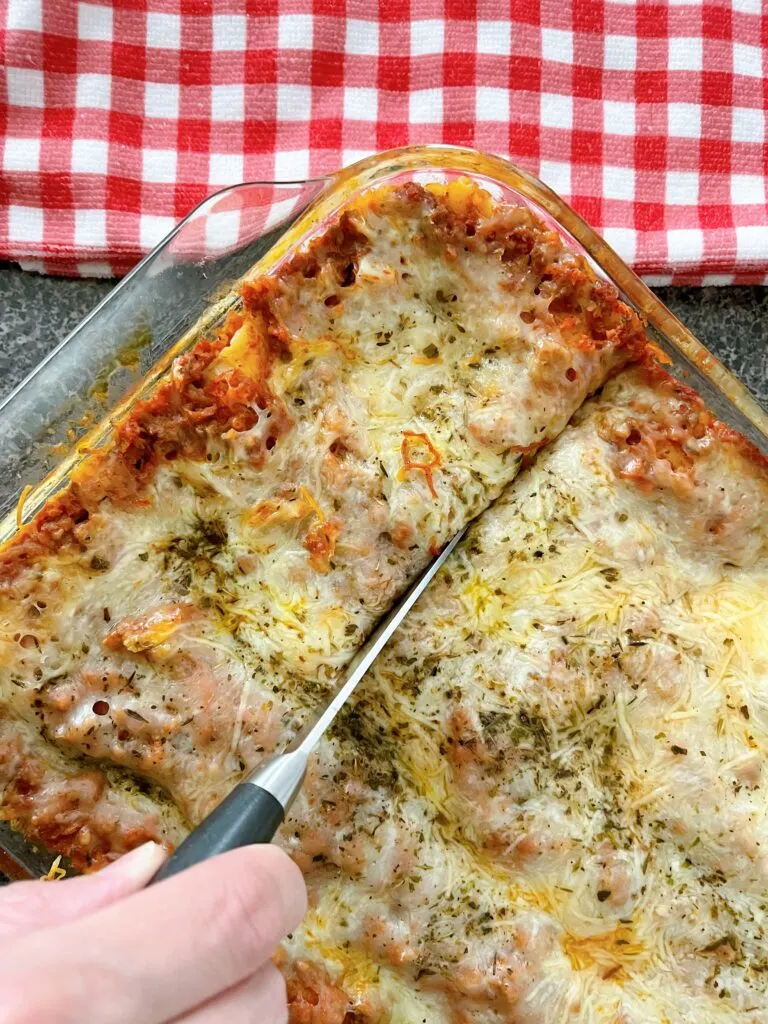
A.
x: 248, y: 815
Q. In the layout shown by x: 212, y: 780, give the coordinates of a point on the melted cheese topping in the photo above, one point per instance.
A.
x: 177, y: 611
x: 579, y: 722
x: 545, y: 803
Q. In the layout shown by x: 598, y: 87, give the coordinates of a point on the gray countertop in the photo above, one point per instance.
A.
x: 38, y: 311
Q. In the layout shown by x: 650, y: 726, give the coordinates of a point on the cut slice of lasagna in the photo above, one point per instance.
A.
x: 176, y: 612
x: 575, y: 724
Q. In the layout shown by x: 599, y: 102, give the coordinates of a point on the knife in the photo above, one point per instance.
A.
x: 256, y: 807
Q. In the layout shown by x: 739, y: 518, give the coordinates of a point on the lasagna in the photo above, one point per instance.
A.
x: 572, y: 725
x: 545, y: 803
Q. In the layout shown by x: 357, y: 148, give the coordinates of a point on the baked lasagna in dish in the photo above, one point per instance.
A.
x: 546, y: 802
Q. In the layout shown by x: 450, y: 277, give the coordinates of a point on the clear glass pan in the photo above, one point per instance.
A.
x: 68, y: 404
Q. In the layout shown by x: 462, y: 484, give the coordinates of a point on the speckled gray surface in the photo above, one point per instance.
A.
x: 733, y: 324
x: 37, y: 312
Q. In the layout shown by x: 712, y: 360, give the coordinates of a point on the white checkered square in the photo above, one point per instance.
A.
x: 361, y: 104
x: 291, y: 165
x: 716, y: 280
x: 25, y: 15
x: 163, y: 30
x: 89, y: 156
x: 222, y: 230
x: 619, y: 183
x: 557, y: 175
x: 25, y: 224
x: 225, y: 168
x: 93, y: 91
x: 618, y: 117
x: 94, y: 22
x: 362, y: 38
x: 426, y: 106
x: 686, y: 245
x: 91, y: 228
x: 748, y: 6
x: 426, y: 37
x: 556, y: 110
x: 494, y: 37
x: 24, y: 87
x: 294, y: 102
x: 280, y: 211
x: 158, y: 166
x: 294, y: 31
x: 747, y: 60
x: 557, y: 45
x: 750, y: 243
x: 95, y: 268
x: 228, y: 102
x: 684, y: 120
x: 747, y: 125
x: 153, y: 229
x: 230, y: 32
x: 351, y: 156
x: 747, y: 189
x: 681, y: 188
x: 620, y: 53
x: 161, y: 99
x: 33, y: 266
x: 491, y: 104
x: 21, y: 155
x: 623, y: 240
x: 686, y: 53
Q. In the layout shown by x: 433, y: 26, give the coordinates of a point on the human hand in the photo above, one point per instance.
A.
x: 194, y: 948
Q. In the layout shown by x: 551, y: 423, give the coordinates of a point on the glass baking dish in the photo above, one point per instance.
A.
x: 187, y: 285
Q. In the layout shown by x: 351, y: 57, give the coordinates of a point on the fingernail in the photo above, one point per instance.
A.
x: 140, y: 864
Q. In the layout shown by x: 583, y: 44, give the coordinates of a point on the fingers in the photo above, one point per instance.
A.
x: 163, y: 951
x: 30, y: 906
x: 254, y: 1001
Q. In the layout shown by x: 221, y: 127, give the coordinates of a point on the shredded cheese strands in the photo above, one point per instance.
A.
x: 25, y: 493
x: 55, y: 872
x: 596, y: 729
x: 416, y: 444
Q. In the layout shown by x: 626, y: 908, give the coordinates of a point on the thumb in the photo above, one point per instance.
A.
x: 27, y: 907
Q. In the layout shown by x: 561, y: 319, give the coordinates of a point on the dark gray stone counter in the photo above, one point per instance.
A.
x: 37, y: 312
x: 733, y: 324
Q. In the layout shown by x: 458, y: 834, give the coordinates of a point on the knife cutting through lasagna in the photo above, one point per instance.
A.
x: 546, y: 802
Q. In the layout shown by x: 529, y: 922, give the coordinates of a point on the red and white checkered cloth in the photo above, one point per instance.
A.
x: 649, y: 117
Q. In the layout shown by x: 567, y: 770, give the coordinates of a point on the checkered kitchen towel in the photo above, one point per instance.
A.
x: 649, y: 117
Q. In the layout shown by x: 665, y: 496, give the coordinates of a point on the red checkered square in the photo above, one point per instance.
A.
x: 650, y: 118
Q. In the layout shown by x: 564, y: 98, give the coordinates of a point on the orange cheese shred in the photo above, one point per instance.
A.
x: 320, y: 542
x: 25, y: 493
x: 273, y: 511
x: 419, y: 453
